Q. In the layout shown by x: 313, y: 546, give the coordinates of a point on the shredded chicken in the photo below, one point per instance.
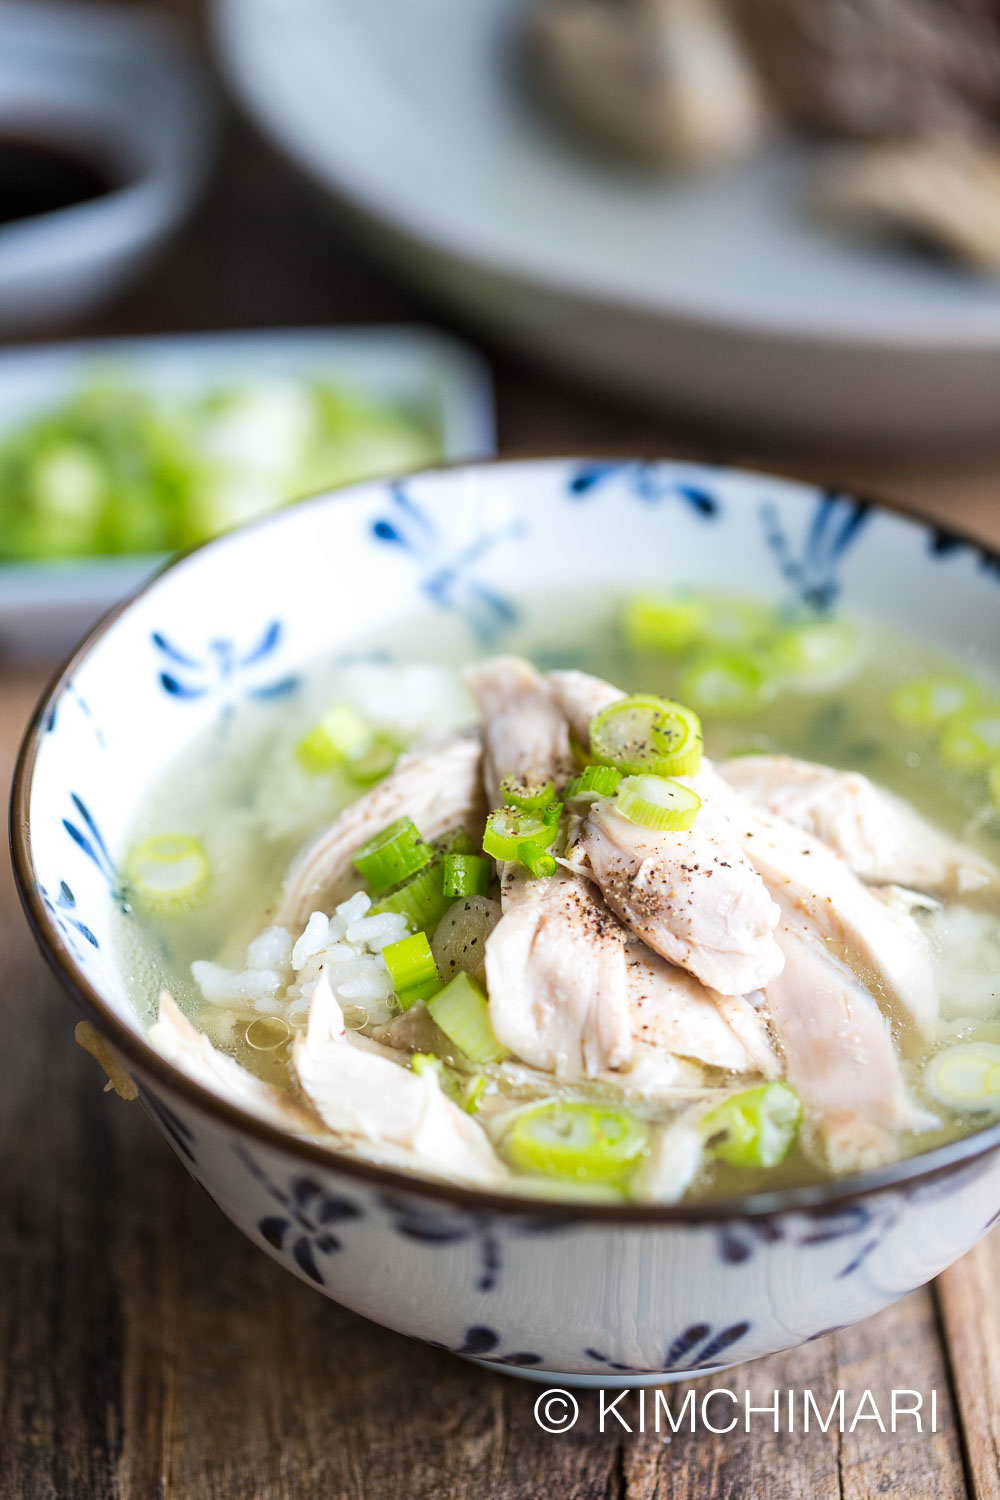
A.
x: 182, y: 1044
x: 365, y: 1095
x: 525, y: 732
x: 437, y: 786
x: 882, y: 839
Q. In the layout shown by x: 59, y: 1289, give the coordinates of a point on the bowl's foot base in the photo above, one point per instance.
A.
x: 606, y: 1380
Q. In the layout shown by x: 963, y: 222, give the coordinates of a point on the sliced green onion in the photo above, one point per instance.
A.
x: 971, y: 741
x: 583, y: 1142
x: 657, y: 802
x: 646, y: 733
x: 737, y: 622
x: 474, y: 1093
x: 466, y: 1091
x: 663, y: 624
x: 462, y: 1012
x: 466, y: 875
x: 536, y: 861
x: 731, y: 682
x: 340, y: 735
x: 593, y: 783
x: 755, y: 1128
x: 375, y: 762
x: 508, y: 828
x: 529, y: 796
x: 810, y: 654
x: 412, y: 969
x: 168, y: 873
x: 422, y: 899
x: 932, y: 700
x: 552, y: 814
x: 391, y: 855
x: 966, y: 1076
x: 456, y: 841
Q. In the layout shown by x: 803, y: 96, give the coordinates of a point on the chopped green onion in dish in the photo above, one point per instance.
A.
x: 422, y: 899
x: 341, y: 735
x: 391, y: 855
x: 812, y: 654
x: 576, y: 1140
x: 467, y: 1091
x: 375, y: 762
x: 527, y: 796
x: 755, y: 1128
x: 730, y: 682
x: 462, y: 1012
x: 994, y: 784
x: 466, y: 875
x: 508, y: 829
x: 644, y: 733
x: 168, y: 873
x: 593, y: 783
x: 537, y: 862
x: 658, y: 803
x: 665, y: 625
x: 965, y: 1077
x: 115, y: 468
x: 738, y: 623
x: 931, y: 701
x: 412, y: 969
x: 971, y: 741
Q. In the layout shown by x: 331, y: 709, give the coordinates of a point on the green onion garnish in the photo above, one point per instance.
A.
x: 422, y: 899
x: 168, y: 873
x: 755, y: 1128
x: 536, y: 861
x: 808, y: 655
x: 731, y: 682
x: 972, y: 741
x: 567, y: 1138
x: 645, y: 733
x: 931, y: 701
x: 657, y: 802
x: 391, y: 855
x: 466, y: 1091
x: 665, y: 625
x: 375, y: 762
x: 466, y: 875
x: 593, y: 783
x: 966, y: 1076
x: 529, y: 796
x: 462, y: 1012
x: 340, y: 735
x: 412, y: 969
x: 456, y: 841
x: 508, y: 828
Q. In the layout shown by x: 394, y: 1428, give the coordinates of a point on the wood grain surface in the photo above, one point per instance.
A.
x: 148, y: 1350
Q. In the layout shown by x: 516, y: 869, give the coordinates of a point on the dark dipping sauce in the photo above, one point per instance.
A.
x: 39, y: 177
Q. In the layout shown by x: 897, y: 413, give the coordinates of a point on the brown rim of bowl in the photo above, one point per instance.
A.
x: 137, y: 1051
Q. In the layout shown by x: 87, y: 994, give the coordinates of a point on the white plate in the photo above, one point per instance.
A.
x: 716, y: 294
x: 45, y: 606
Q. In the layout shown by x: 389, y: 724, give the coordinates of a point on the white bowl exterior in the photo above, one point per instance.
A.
x: 245, y: 615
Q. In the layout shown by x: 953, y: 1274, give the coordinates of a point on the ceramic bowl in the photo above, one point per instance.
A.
x: 125, y: 87
x: 584, y: 1294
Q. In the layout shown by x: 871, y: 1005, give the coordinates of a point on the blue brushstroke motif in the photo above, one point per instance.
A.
x: 812, y: 569
x: 648, y: 482
x: 449, y: 578
x: 190, y: 677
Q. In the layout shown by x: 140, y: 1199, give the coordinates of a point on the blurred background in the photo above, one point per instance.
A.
x: 250, y: 249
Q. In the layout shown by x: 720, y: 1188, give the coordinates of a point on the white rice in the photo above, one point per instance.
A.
x: 281, y: 971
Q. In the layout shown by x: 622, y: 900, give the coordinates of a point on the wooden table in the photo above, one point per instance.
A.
x: 147, y: 1349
